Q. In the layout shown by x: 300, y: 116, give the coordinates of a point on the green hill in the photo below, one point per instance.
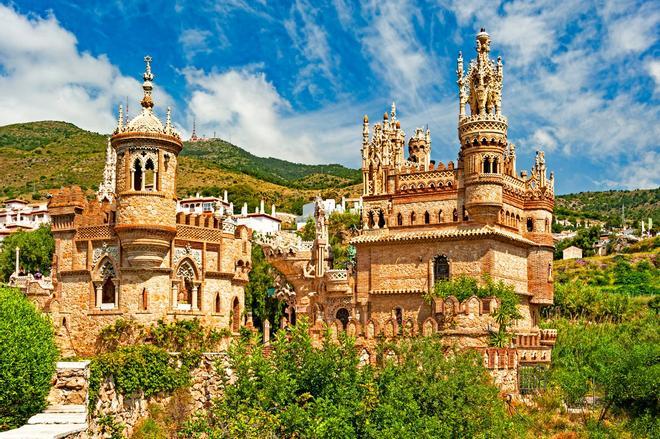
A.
x: 640, y: 204
x: 38, y: 156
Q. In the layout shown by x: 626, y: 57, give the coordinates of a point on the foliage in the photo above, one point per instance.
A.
x: 165, y: 420
x: 36, y: 251
x: 308, y: 231
x: 463, y: 287
x: 633, y: 275
x: 110, y: 428
x: 257, y: 298
x: 300, y: 390
x: 341, y: 227
x: 640, y: 204
x: 27, y: 358
x: 141, y: 368
x: 177, y: 336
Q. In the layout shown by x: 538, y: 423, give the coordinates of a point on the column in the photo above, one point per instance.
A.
x: 99, y: 295
x: 194, y: 298
x: 175, y: 296
x: 116, y: 294
x: 266, y: 331
x: 17, y: 269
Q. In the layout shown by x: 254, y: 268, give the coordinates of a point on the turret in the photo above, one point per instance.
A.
x: 146, y: 163
x: 482, y: 133
x: 419, y: 148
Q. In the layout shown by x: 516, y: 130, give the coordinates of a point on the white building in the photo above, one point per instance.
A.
x: 352, y: 205
x: 572, y: 252
x: 21, y: 215
x: 199, y: 204
x: 259, y: 221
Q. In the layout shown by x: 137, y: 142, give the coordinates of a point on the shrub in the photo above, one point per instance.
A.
x: 37, y: 249
x: 27, y: 358
x: 142, y: 368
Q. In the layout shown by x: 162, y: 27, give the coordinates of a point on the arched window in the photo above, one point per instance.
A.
x: 455, y: 216
x: 440, y: 268
x: 236, y: 315
x: 427, y: 218
x: 530, y: 225
x: 150, y: 176
x: 507, y: 219
x: 137, y: 175
x: 370, y: 219
x: 145, y: 299
x: 381, y: 219
x: 108, y: 291
x: 398, y: 314
x: 399, y: 220
x: 495, y: 163
x: 217, y: 303
x: 187, y: 274
x: 412, y: 217
x: 342, y: 315
x: 440, y: 216
x: 486, y: 165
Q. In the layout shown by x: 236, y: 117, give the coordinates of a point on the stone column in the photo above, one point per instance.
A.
x: 175, y: 296
x: 99, y: 295
x: 266, y: 331
x: 194, y: 298
x: 17, y: 269
x: 116, y: 294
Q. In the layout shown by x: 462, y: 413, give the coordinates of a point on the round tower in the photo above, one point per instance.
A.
x: 146, y: 170
x: 482, y: 133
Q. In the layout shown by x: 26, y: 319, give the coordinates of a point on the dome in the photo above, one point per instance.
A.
x: 145, y: 122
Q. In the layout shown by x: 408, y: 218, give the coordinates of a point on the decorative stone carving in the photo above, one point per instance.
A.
x: 187, y: 252
x: 105, y: 249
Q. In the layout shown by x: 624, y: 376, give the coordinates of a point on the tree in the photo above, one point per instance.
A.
x: 27, y: 358
x: 262, y: 281
x: 36, y: 251
x: 308, y: 232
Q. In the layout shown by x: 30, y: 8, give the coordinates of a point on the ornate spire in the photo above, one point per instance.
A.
x: 393, y: 112
x: 120, y: 120
x: 147, y: 86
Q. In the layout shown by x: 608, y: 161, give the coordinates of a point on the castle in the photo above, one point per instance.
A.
x: 129, y: 254
x: 423, y: 222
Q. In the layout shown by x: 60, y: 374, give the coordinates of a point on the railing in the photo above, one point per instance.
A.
x: 336, y: 275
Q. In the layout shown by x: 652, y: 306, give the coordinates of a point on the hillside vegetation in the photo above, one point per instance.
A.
x: 38, y: 156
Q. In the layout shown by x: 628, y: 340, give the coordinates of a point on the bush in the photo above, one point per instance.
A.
x: 27, y: 358
x: 304, y: 390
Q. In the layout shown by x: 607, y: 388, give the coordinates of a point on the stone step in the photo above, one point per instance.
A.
x: 58, y: 418
x: 69, y: 408
x: 42, y: 431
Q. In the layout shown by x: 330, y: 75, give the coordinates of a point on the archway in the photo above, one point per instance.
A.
x: 108, y: 292
x: 343, y: 316
x: 137, y: 175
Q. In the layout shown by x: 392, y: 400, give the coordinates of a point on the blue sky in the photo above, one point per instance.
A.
x: 292, y: 79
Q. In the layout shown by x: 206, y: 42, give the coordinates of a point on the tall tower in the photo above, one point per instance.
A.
x: 146, y: 167
x: 482, y: 133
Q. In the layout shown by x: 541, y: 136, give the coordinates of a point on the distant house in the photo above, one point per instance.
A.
x: 572, y: 252
x: 21, y: 215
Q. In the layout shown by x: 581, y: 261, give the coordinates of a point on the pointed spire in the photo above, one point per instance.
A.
x: 147, y: 102
x: 120, y: 120
x: 393, y: 112
x: 168, y: 120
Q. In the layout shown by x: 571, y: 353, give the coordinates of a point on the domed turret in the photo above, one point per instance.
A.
x: 147, y: 153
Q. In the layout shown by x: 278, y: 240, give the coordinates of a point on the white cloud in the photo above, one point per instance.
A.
x: 653, y: 67
x: 635, y: 32
x: 194, y: 41
x: 394, y: 51
x: 311, y: 40
x: 44, y: 76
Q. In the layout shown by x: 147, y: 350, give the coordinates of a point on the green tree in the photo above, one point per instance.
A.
x: 27, y: 358
x: 308, y: 232
x: 258, y: 292
x: 36, y: 251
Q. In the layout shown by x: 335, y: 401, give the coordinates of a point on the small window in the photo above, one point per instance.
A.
x: 217, y: 303
x: 440, y: 268
x: 399, y: 220
x: 455, y: 216
x: 439, y: 216
x: 427, y: 218
x: 398, y: 313
x: 149, y: 176
x: 495, y: 166
x: 530, y: 225
x: 137, y: 175
x: 486, y: 165
x: 381, y: 219
x: 465, y: 214
x: 412, y: 217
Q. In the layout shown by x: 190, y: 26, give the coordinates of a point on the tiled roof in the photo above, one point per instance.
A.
x: 462, y: 233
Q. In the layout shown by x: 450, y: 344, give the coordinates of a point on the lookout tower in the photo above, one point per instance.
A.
x: 146, y: 167
x: 482, y: 133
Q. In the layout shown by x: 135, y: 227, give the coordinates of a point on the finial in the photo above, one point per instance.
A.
x: 365, y: 119
x: 120, y: 119
x: 385, y: 116
x: 393, y: 110
x: 168, y: 120
x: 147, y: 102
